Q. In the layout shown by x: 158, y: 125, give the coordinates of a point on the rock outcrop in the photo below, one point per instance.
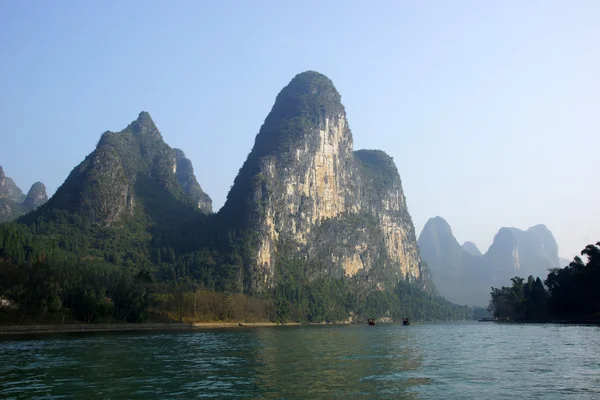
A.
x: 303, y: 185
x: 36, y: 196
x: 184, y: 172
x: 464, y: 275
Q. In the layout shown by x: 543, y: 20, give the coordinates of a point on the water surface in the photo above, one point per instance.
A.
x: 421, y: 361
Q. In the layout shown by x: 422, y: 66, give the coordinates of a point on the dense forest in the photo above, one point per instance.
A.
x: 567, y: 293
x: 40, y: 282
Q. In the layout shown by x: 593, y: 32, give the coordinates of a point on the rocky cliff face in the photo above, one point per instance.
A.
x: 464, y: 276
x: 126, y: 168
x: 13, y: 203
x: 9, y: 189
x: 36, y: 196
x: 184, y: 172
x: 303, y: 185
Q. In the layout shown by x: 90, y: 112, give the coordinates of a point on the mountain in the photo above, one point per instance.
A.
x: 563, y: 262
x: 304, y: 187
x: 464, y: 275
x: 472, y: 248
x: 454, y: 269
x: 523, y: 253
x: 317, y: 230
x: 127, y: 169
x: 13, y: 203
x: 131, y: 201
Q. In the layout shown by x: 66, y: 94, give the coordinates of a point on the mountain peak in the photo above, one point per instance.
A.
x: 308, y: 94
x: 472, y: 248
x: 144, y: 126
x: 538, y: 228
x: 36, y: 195
x: 437, y: 237
x: 438, y: 224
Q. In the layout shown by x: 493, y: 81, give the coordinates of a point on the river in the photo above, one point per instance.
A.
x: 468, y: 360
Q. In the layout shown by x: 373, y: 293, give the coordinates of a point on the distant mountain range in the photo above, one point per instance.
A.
x: 464, y: 275
x: 13, y: 203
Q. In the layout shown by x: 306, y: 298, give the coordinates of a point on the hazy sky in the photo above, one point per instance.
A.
x: 491, y: 109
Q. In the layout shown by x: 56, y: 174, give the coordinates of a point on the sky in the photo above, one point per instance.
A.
x: 491, y: 110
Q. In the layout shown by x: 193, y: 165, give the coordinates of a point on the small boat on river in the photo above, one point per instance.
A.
x: 405, y: 321
x: 371, y: 321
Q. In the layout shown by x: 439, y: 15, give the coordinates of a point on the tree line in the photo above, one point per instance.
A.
x: 570, y: 292
x: 59, y: 267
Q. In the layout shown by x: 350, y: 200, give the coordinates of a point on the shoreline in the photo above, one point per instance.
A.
x: 71, y: 328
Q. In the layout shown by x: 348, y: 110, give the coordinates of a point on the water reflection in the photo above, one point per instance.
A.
x: 338, y: 361
x: 457, y: 361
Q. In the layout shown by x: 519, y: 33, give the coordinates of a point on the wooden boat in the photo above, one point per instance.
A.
x: 405, y: 321
x: 371, y: 321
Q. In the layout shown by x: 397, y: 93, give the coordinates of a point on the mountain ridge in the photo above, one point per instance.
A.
x: 464, y: 275
x: 14, y: 203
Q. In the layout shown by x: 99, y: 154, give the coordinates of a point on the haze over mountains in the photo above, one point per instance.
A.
x: 464, y: 275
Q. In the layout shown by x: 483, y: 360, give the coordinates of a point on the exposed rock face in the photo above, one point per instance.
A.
x: 13, y: 203
x: 303, y: 184
x: 464, y: 276
x: 184, y: 172
x: 125, y: 167
x: 9, y: 189
x: 36, y: 196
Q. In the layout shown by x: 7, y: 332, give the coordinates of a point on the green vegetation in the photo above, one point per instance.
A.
x: 328, y: 298
x: 123, y: 240
x: 572, y: 292
x: 101, y: 283
x: 378, y: 167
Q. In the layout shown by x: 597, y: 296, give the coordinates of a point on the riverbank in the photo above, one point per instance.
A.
x: 70, y: 328
x: 548, y: 321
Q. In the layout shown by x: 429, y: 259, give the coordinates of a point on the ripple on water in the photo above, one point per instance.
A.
x: 429, y: 361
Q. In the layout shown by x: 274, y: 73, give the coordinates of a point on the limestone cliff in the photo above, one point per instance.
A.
x: 125, y: 168
x: 184, y: 172
x: 303, y: 184
x: 36, y: 196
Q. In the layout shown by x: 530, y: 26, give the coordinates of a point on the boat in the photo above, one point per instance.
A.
x: 371, y: 321
x: 486, y: 319
x: 405, y: 321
